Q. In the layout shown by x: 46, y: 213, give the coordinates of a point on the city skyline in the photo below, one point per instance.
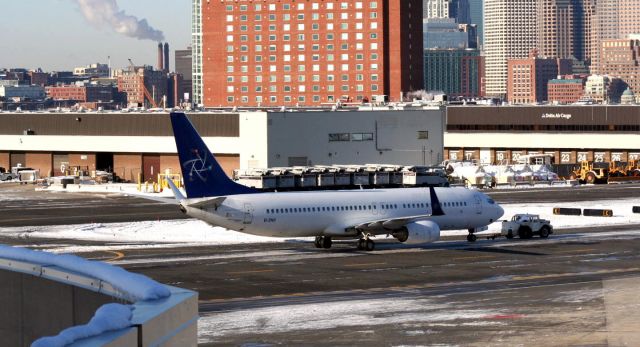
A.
x: 70, y: 40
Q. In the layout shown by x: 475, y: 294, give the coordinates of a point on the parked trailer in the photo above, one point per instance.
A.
x: 286, y: 181
x: 361, y: 178
x: 326, y: 180
x: 259, y: 182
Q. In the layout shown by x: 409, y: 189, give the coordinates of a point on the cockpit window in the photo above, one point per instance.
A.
x: 490, y: 201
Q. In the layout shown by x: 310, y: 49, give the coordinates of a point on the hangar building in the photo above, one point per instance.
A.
x: 130, y: 144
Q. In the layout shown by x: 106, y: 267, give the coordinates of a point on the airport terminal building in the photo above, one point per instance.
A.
x: 495, y: 134
x: 133, y: 144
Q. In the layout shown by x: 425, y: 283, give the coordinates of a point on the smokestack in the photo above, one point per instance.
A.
x: 166, y: 57
x: 160, y: 65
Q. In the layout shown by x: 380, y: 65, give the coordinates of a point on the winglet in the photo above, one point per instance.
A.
x: 176, y: 192
x: 436, y: 208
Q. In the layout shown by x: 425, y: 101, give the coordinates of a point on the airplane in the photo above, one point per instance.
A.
x: 411, y: 215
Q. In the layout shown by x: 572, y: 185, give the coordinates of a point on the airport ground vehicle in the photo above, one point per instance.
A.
x: 7, y: 176
x: 591, y: 173
x: 525, y: 226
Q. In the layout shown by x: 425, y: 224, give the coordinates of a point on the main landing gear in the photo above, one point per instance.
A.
x: 323, y: 242
x: 472, y: 237
x: 366, y: 244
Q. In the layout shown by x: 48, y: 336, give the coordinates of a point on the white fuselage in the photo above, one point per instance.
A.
x: 335, y: 213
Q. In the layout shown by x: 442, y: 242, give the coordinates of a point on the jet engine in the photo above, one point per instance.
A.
x: 418, y: 232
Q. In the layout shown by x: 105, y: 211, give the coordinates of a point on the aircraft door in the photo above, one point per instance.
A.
x: 375, y: 208
x: 478, y: 203
x: 248, y: 214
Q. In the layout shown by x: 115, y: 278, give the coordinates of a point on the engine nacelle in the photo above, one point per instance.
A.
x: 419, y: 232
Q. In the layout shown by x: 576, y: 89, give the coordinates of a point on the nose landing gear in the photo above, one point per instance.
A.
x: 323, y: 242
x: 472, y: 237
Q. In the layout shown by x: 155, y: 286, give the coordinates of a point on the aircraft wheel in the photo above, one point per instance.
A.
x: 472, y: 238
x: 318, y: 242
x: 509, y: 235
x: 361, y: 244
x: 370, y: 245
x: 326, y: 242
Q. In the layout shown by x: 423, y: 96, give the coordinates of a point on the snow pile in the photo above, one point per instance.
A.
x: 167, y: 232
x: 109, y: 317
x: 134, y: 286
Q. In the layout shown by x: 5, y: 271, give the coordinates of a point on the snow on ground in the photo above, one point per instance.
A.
x: 331, y: 315
x: 191, y: 231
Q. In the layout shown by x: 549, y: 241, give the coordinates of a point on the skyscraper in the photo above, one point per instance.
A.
x: 476, y: 17
x: 621, y: 58
x: 459, y: 9
x: 291, y: 52
x: 436, y: 8
x: 612, y: 19
x: 510, y: 32
x: 556, y: 28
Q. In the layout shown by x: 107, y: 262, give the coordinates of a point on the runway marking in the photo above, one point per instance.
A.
x: 364, y: 264
x: 478, y: 257
x: 119, y: 255
x: 579, y: 250
x: 249, y: 272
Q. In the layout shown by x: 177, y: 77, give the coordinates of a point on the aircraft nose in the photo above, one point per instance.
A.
x: 500, y: 211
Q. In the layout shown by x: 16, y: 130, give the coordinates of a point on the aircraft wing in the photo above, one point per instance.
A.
x: 384, y: 225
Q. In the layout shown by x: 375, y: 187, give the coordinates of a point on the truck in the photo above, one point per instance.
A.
x: 7, y: 176
x: 525, y: 226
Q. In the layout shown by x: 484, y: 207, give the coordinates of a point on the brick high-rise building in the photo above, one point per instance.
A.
x: 556, y: 21
x: 510, y: 32
x: 134, y: 81
x: 613, y: 19
x: 621, y: 58
x: 305, y: 52
x: 528, y: 78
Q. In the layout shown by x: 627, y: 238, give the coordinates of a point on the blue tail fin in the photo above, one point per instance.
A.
x: 203, y: 176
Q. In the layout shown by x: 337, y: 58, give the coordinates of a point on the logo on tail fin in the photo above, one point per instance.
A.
x: 198, y: 166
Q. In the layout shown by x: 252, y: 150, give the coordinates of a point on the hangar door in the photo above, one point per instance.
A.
x: 17, y: 158
x: 150, y: 167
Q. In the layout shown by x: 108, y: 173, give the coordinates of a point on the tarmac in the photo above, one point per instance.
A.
x: 577, y: 288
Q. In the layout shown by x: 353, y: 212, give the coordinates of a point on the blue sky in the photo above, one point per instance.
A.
x: 55, y: 36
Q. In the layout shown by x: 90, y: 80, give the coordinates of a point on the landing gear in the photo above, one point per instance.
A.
x: 366, y: 244
x: 323, y: 242
x: 472, y: 237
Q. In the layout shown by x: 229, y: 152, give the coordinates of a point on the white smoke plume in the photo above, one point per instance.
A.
x: 106, y: 13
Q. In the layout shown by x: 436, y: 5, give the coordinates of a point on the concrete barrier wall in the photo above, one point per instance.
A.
x: 40, y: 300
x: 32, y: 307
